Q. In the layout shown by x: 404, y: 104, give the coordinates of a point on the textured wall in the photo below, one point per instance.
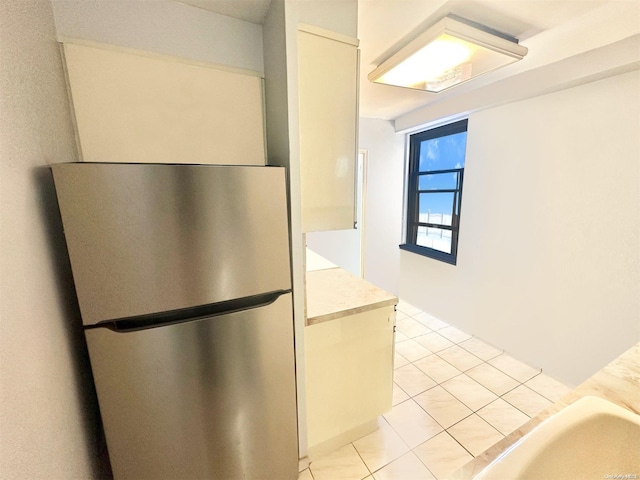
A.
x: 549, y: 253
x: 49, y: 425
x: 383, y: 215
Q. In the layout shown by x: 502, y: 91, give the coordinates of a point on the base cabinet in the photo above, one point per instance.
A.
x: 349, y: 367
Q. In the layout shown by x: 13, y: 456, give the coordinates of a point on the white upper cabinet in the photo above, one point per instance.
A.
x: 143, y: 108
x: 328, y: 96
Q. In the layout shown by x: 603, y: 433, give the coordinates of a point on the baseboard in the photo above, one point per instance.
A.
x: 328, y: 446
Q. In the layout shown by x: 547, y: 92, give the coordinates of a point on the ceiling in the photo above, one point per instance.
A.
x: 546, y: 27
x: 386, y: 25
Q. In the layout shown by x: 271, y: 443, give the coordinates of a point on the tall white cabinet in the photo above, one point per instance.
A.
x: 328, y: 103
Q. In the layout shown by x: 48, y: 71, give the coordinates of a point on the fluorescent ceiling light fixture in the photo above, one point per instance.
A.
x: 447, y: 54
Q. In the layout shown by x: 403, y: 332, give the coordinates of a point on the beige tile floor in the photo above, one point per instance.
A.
x: 454, y: 396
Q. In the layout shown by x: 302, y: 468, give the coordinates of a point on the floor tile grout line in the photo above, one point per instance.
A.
x: 411, y: 397
x: 413, y: 336
x: 409, y: 449
x: 463, y: 371
x: 511, y: 376
x: 412, y: 450
x: 422, y: 391
x: 467, y: 416
x: 456, y: 440
x: 504, y: 399
x: 423, y: 409
x: 434, y: 329
x: 471, y: 337
x: 399, y: 437
x: 441, y: 336
x: 443, y: 430
x: 389, y: 463
x: 310, y: 472
x: 413, y: 317
x: 511, y: 404
x: 470, y: 353
x: 444, y: 360
x: 502, y: 371
x: 397, y: 433
x: 502, y: 351
x: 396, y: 353
x: 514, y: 406
x: 405, y: 341
x: 446, y: 429
x: 431, y: 329
x: 540, y: 393
x: 474, y: 411
x: 488, y: 388
x: 362, y: 460
x: 406, y: 444
x: 482, y: 341
x: 403, y: 390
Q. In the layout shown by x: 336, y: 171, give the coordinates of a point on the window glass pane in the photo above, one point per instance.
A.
x: 436, y: 208
x: 438, y: 181
x: 435, y: 238
x: 443, y: 153
x: 441, y: 149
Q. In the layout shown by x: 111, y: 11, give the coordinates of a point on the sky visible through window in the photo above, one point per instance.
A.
x: 442, y: 153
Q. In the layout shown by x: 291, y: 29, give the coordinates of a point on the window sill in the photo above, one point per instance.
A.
x: 429, y: 252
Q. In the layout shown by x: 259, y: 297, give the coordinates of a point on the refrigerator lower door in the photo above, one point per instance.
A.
x: 206, y: 399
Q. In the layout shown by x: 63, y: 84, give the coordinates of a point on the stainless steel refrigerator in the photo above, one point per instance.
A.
x: 182, y: 275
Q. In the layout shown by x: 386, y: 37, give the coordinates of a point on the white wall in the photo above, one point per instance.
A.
x: 165, y: 27
x: 549, y: 254
x: 49, y: 425
x: 383, y: 211
x: 341, y: 247
x: 340, y: 16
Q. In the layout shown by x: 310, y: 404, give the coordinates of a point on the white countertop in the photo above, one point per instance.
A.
x: 334, y: 293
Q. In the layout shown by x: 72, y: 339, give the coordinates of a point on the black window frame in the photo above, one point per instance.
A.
x: 413, y: 195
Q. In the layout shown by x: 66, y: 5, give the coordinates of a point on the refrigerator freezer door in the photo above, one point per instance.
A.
x: 207, y: 399
x: 153, y: 238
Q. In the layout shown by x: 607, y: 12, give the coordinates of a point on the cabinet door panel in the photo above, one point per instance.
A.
x: 328, y: 95
x: 139, y: 108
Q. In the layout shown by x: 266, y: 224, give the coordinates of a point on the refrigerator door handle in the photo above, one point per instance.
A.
x: 161, y: 319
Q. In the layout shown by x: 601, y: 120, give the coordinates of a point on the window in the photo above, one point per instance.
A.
x: 434, y: 191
